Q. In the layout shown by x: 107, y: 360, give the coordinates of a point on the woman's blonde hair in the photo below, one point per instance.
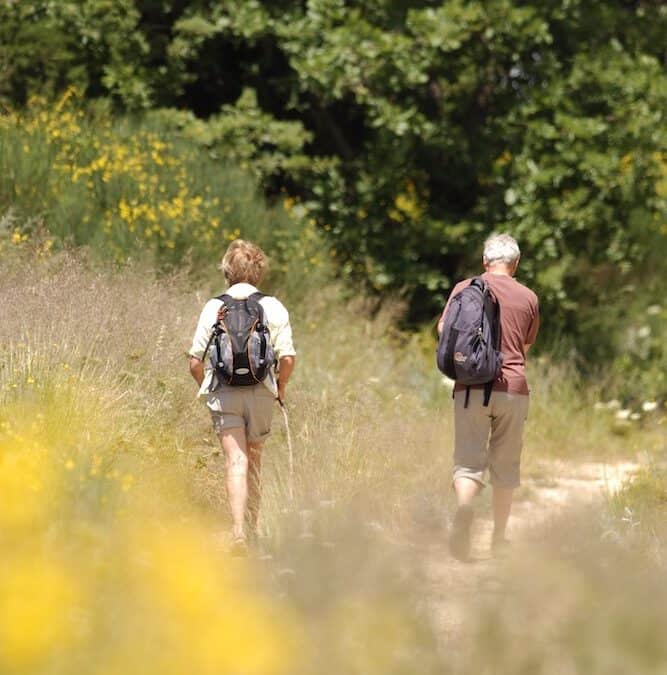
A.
x: 244, y: 262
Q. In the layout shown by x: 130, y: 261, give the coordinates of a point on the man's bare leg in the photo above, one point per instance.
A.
x: 234, y: 446
x: 254, y: 486
x: 459, y: 538
x: 502, y: 505
x: 466, y: 490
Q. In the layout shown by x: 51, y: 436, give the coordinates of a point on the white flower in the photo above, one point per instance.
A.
x: 653, y: 310
x: 649, y: 406
x: 623, y: 414
x: 635, y: 416
x: 614, y: 404
x: 644, y: 332
x: 510, y: 197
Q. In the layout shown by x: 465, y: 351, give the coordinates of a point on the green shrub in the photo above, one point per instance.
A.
x: 128, y: 189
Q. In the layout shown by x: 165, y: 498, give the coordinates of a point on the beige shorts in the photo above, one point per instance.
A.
x: 489, y: 437
x: 250, y: 408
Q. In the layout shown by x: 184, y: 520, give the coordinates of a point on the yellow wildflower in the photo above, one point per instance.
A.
x: 36, y: 612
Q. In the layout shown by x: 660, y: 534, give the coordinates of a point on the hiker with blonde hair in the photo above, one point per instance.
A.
x: 486, y: 329
x: 242, y: 356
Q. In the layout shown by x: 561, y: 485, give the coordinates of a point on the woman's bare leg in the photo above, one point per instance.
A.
x: 234, y: 446
x: 254, y: 486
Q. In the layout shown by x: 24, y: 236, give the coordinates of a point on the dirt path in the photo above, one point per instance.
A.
x: 569, y: 486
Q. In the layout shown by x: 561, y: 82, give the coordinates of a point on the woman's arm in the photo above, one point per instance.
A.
x: 285, y: 368
x: 197, y: 369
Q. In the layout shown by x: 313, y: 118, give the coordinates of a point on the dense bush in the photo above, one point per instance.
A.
x: 131, y: 189
x: 410, y: 130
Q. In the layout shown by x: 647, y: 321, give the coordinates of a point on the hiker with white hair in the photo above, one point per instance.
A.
x: 486, y: 329
x: 242, y: 357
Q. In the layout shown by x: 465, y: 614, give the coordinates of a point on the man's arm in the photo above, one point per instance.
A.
x: 285, y: 368
x: 534, y: 327
x: 197, y: 369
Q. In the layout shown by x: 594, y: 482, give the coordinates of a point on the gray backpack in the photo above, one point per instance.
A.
x: 469, y: 346
x: 240, y: 345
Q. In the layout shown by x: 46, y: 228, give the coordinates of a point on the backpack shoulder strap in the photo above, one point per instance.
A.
x: 225, y: 297
x: 215, y: 329
x: 256, y: 297
x: 495, y: 318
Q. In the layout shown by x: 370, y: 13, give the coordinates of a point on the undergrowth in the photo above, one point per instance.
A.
x: 114, y: 488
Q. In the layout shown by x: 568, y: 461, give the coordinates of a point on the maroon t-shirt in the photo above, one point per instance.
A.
x: 519, y: 323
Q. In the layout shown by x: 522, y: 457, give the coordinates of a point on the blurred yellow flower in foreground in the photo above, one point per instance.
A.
x: 201, y: 610
x: 22, y: 483
x: 37, y: 609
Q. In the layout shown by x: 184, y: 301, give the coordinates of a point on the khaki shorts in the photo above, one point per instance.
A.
x: 250, y: 408
x: 489, y: 437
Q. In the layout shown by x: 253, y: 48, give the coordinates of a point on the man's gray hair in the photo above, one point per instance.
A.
x: 501, y: 248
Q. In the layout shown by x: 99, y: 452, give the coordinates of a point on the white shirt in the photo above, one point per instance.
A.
x: 277, y: 319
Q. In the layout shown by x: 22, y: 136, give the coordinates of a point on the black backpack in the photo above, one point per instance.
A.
x: 469, y: 345
x: 241, y: 352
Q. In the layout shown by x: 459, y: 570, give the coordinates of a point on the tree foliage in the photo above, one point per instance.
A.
x: 408, y: 130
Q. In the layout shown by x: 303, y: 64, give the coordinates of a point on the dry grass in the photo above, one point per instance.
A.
x: 370, y: 419
x: 572, y: 601
x: 121, y: 509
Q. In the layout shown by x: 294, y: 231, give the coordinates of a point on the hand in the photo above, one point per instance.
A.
x: 285, y: 368
x: 281, y: 391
